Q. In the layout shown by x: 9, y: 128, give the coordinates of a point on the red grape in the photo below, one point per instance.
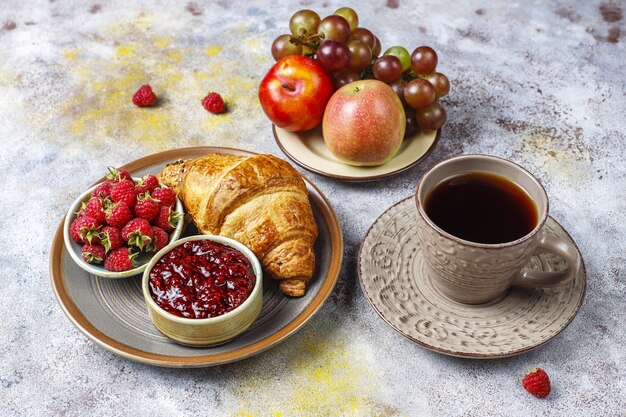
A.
x: 360, y: 55
x: 333, y: 55
x: 376, y: 48
x: 282, y: 47
x: 411, y: 122
x: 334, y: 28
x: 432, y: 117
x: 345, y: 76
x: 440, y: 82
x: 398, y: 88
x: 387, y: 69
x: 365, y: 36
x: 424, y: 60
x: 419, y: 93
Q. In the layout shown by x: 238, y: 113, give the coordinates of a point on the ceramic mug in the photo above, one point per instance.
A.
x: 474, y: 273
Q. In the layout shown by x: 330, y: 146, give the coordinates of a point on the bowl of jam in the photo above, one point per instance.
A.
x: 203, y: 290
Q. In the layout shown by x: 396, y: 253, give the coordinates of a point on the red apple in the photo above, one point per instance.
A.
x: 294, y: 93
x: 364, y: 123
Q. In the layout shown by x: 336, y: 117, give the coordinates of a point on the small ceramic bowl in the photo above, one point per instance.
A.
x: 75, y: 249
x: 214, y: 330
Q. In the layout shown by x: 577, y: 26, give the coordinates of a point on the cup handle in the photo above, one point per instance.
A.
x: 532, y: 278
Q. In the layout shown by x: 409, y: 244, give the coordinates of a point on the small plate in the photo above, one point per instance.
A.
x: 393, y: 277
x: 113, y: 313
x: 309, y: 150
x: 75, y: 249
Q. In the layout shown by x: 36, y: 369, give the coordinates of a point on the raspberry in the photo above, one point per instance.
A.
x: 144, y: 97
x: 147, y: 207
x: 214, y: 103
x: 118, y: 214
x: 118, y: 174
x: 159, y: 241
x: 121, y: 259
x: 138, y: 232
x: 103, y: 190
x: 124, y: 191
x: 167, y: 219
x: 85, y: 229
x: 93, y: 208
x: 166, y: 196
x: 537, y: 383
x: 93, y: 253
x: 147, y: 183
x: 111, y: 238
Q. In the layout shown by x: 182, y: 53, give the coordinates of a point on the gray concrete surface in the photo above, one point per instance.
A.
x: 539, y: 82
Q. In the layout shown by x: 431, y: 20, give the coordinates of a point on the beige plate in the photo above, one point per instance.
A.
x: 391, y: 273
x: 113, y: 313
x: 308, y: 150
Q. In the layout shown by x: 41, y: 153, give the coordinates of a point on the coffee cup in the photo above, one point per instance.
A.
x: 480, y: 220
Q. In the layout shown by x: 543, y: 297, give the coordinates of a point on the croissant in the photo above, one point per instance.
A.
x: 260, y: 201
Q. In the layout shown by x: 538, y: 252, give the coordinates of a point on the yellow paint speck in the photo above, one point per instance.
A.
x: 213, y: 50
x: 70, y: 55
x: 126, y: 51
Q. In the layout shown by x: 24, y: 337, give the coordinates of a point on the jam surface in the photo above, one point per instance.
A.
x: 201, y: 279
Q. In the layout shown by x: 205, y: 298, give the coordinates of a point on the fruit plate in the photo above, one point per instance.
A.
x: 308, y: 150
x: 113, y: 314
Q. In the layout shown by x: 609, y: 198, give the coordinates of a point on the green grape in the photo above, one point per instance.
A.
x: 345, y: 76
x: 282, y: 47
x: 419, y: 93
x: 402, y: 54
x: 365, y: 36
x: 440, y: 82
x: 360, y: 55
x: 377, y: 47
x: 304, y: 22
x: 334, y: 28
x: 350, y: 15
x: 387, y: 69
x: 333, y: 55
x: 431, y: 117
x: 423, y: 60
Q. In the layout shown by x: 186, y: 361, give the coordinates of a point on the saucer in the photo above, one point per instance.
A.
x: 309, y: 150
x: 393, y: 277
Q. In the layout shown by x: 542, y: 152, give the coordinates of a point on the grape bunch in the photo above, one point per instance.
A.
x: 349, y: 53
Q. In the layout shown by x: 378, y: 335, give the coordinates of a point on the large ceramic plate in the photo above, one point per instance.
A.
x: 394, y: 279
x: 308, y: 150
x: 112, y: 313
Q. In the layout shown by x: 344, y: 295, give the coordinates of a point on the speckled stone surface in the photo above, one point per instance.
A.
x: 539, y: 82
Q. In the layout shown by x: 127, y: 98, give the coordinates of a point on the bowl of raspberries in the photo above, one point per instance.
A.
x: 114, y: 228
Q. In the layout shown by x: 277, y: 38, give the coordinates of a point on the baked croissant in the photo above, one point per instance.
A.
x: 260, y: 201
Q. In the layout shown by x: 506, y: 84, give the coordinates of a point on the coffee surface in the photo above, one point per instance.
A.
x: 481, y: 207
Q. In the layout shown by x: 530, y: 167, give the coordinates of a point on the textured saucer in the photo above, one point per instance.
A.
x: 392, y: 275
x: 309, y: 150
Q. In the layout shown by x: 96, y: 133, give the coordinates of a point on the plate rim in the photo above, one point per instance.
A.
x: 115, y: 346
x: 467, y: 355
x: 349, y: 178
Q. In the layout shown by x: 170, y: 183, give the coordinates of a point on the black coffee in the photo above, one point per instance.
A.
x: 482, y: 208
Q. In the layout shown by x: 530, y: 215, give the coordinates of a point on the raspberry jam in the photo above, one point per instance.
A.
x: 201, y: 279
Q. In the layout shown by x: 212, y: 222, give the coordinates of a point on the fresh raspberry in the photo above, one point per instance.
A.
x: 167, y: 218
x: 85, y: 229
x: 147, y: 183
x: 103, y: 190
x: 93, y: 253
x: 93, y: 208
x: 118, y: 214
x: 537, y: 383
x: 138, y: 232
x: 147, y: 207
x: 144, y: 97
x: 214, y: 103
x: 166, y: 196
x: 124, y: 191
x: 111, y: 238
x: 118, y: 174
x: 159, y: 241
x: 121, y: 259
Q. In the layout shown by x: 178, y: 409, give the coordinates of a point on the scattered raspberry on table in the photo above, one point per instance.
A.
x: 214, y: 103
x: 537, y: 383
x: 144, y: 97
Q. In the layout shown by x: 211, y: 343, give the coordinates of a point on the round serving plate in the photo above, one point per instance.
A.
x: 308, y: 150
x: 113, y: 313
x: 393, y: 276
